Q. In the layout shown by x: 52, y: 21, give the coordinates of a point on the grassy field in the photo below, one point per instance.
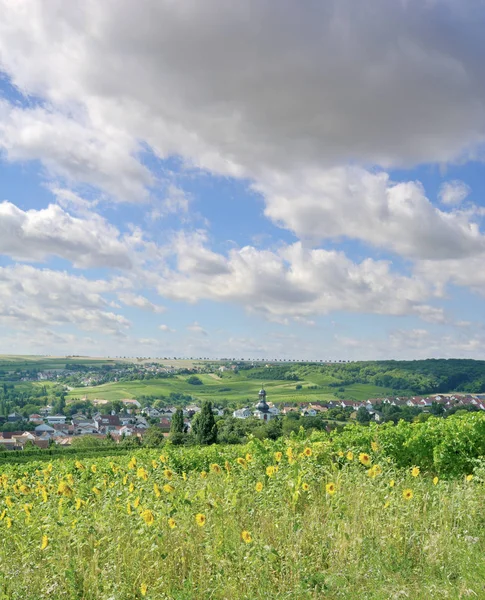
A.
x: 234, y: 387
x: 280, y: 520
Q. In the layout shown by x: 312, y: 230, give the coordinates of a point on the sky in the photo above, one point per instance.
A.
x: 261, y: 179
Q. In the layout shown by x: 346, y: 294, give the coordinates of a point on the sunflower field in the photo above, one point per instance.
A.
x: 291, y: 519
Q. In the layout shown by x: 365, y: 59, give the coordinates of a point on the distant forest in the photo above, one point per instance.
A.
x: 416, y: 376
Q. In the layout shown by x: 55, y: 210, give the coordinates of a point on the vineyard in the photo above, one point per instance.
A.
x: 353, y: 516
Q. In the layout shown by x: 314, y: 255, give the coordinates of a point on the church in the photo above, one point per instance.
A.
x: 262, y: 410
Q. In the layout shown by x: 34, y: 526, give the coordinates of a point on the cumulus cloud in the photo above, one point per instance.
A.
x: 35, y: 235
x: 454, y: 192
x: 38, y: 298
x: 354, y: 203
x: 196, y: 328
x: 137, y: 301
x: 166, y: 328
x: 293, y: 282
x: 240, y: 88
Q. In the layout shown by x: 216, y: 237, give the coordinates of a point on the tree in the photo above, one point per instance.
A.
x: 363, y: 416
x: 153, y: 436
x: 177, y: 425
x: 204, y: 425
x: 194, y: 380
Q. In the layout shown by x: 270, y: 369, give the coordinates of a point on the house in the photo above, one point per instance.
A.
x: 56, y: 419
x: 106, y: 422
x: 150, y: 412
x: 35, y: 418
x: 13, y: 417
x: 242, y: 413
x: 125, y: 419
x: 309, y: 412
x: 44, y: 429
x: 141, y: 423
x: 85, y: 429
x: 131, y: 403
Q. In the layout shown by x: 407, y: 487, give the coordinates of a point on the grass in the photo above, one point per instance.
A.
x: 232, y: 387
x: 314, y: 530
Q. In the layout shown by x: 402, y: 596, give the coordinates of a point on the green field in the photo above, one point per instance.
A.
x: 232, y: 387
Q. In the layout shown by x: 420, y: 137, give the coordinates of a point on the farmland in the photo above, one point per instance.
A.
x: 267, y: 520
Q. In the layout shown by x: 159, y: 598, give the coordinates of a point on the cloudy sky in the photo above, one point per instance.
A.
x: 267, y: 178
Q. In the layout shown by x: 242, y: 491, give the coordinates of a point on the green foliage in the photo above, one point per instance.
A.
x: 204, y: 425
x: 194, y: 380
x: 177, y: 425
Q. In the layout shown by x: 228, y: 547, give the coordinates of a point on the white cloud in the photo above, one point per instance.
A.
x: 454, y: 192
x: 39, y: 298
x: 141, y: 302
x: 196, y: 328
x: 72, y: 148
x: 166, y: 328
x: 354, y: 203
x: 294, y: 282
x: 35, y: 235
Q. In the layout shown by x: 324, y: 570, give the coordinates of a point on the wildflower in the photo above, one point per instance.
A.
x: 331, y: 488
x: 278, y: 456
x: 79, y: 465
x: 171, y: 523
x: 242, y: 462
x: 143, y: 589
x: 132, y: 463
x: 246, y: 537
x: 142, y: 473
x: 200, y: 519
x: 93, y: 468
x: 415, y: 471
x: 435, y: 480
x: 156, y: 490
x: 374, y: 446
x: 148, y: 517
x: 469, y: 477
x: 45, y: 542
x: 407, y: 494
x: 259, y: 487
x: 215, y: 468
x: 78, y: 503
x: 270, y: 471
x: 350, y: 455
x: 364, y: 459
x: 8, y: 521
x: 96, y: 490
x: 249, y: 457
x: 305, y: 487
x: 168, y: 489
x: 168, y: 473
x: 392, y: 483
x: 307, y: 451
x: 203, y: 474
x: 136, y: 503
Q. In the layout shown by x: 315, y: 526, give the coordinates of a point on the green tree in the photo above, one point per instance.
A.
x: 204, y: 425
x: 177, y: 425
x: 153, y: 436
x: 363, y: 415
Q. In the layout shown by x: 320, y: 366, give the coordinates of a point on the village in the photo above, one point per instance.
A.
x: 133, y: 420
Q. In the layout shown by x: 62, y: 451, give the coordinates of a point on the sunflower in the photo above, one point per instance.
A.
x: 148, y: 517
x: 215, y: 468
x: 270, y: 471
x: 171, y: 523
x: 64, y: 489
x: 154, y: 464
x: 331, y: 488
x: 246, y: 537
x: 132, y: 463
x: 305, y: 487
x: 156, y: 490
x: 278, y: 456
x: 143, y: 589
x: 96, y: 490
x: 168, y: 473
x: 44, y: 543
x: 259, y: 487
x: 136, y: 503
x: 227, y: 466
x: 94, y: 468
x: 415, y: 471
x: 392, y: 483
x: 78, y: 503
x: 249, y: 457
x: 163, y: 458
x: 350, y: 455
x: 407, y: 494
x: 128, y: 508
x: 374, y: 446
x: 435, y: 480
x: 469, y: 477
x: 168, y: 489
x: 377, y: 469
x: 79, y: 465
x: 142, y: 473
x: 307, y: 451
x: 8, y: 520
x: 289, y: 452
x: 203, y: 474
x: 364, y: 459
x: 200, y: 519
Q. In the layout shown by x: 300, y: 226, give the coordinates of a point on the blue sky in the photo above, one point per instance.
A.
x: 176, y: 181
